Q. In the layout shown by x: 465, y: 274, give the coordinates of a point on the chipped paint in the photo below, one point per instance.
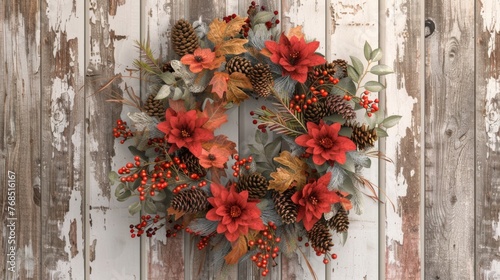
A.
x: 491, y: 24
x: 492, y: 115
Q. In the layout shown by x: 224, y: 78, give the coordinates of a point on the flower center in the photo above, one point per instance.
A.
x: 198, y: 58
x: 313, y: 200
x: 235, y: 211
x: 185, y: 134
x: 293, y: 57
x: 211, y: 157
x: 326, y: 142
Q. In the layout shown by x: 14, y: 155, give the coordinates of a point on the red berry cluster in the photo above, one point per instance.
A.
x: 122, y: 130
x: 266, y: 247
x: 174, y: 230
x: 262, y: 127
x: 204, y: 240
x: 147, y: 225
x: 327, y: 257
x: 371, y: 106
x: 300, y: 102
x: 324, y: 78
x: 240, y: 163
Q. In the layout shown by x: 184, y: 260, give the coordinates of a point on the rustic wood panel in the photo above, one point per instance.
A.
x: 62, y: 135
x: 449, y: 141
x: 403, y: 96
x: 487, y: 74
x: 20, y: 140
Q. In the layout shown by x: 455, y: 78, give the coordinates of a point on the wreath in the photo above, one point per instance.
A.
x: 303, y: 181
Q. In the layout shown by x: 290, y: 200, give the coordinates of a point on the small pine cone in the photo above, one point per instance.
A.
x: 335, y: 104
x: 261, y: 79
x: 361, y: 135
x: 315, y: 112
x: 336, y: 69
x: 184, y: 38
x: 190, y: 201
x: 255, y: 184
x: 238, y: 64
x: 192, y: 163
x: 339, y: 222
x: 167, y: 67
x: 320, y: 237
x: 154, y: 108
x: 285, y: 207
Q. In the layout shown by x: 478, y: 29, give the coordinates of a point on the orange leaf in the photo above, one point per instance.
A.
x: 240, y: 248
x: 222, y: 142
x: 177, y: 214
x: 215, y: 112
x: 177, y: 105
x: 233, y: 46
x: 219, y: 83
x: 296, y: 31
x: 217, y: 173
x: 236, y: 82
x: 346, y: 203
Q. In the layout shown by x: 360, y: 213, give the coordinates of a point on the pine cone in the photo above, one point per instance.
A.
x: 336, y: 69
x: 335, y: 104
x: 284, y: 205
x: 190, y: 201
x: 238, y: 64
x: 320, y: 237
x: 340, y: 222
x: 192, y: 163
x: 154, y: 108
x: 362, y: 135
x: 255, y: 184
x: 261, y: 79
x: 184, y: 38
x: 315, y: 112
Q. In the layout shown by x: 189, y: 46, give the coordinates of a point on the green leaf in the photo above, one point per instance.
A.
x: 272, y: 149
x: 357, y: 64
x: 163, y: 93
x: 262, y: 17
x: 381, y: 133
x: 113, y: 177
x: 344, y: 85
x: 159, y: 196
x: 345, y: 131
x: 374, y: 86
x: 253, y: 150
x: 381, y: 69
x: 134, y: 208
x: 124, y: 196
x: 352, y: 73
x: 261, y: 137
x: 150, y: 207
x: 120, y: 189
x: 177, y: 94
x: 335, y: 118
x: 168, y: 78
x: 367, y: 50
x: 391, y: 121
x: 136, y: 152
x: 376, y: 55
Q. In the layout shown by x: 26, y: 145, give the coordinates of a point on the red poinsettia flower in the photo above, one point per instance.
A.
x: 184, y: 129
x: 235, y: 214
x: 324, y: 143
x: 216, y: 156
x: 200, y: 59
x: 295, y: 56
x: 314, y: 200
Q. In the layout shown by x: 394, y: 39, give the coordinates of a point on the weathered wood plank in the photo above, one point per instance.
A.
x: 62, y: 133
x: 449, y: 141
x: 20, y: 140
x: 112, y: 26
x: 350, y: 24
x: 487, y: 244
x: 403, y: 96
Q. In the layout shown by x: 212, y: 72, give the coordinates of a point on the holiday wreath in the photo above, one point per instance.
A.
x: 301, y: 183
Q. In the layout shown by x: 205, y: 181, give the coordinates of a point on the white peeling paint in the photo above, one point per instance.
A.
x: 492, y: 115
x: 493, y: 272
x: 62, y: 103
x: 63, y: 17
x: 491, y: 21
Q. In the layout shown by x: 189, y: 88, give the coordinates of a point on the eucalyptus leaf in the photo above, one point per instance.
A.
x: 124, y: 196
x: 352, y: 73
x: 150, y: 207
x: 168, y: 78
x: 376, y: 55
x: 374, y: 86
x: 120, y: 189
x: 381, y: 69
x: 163, y: 93
x: 134, y: 208
x: 357, y: 64
x: 262, y: 17
x: 391, y: 121
x: 272, y: 149
x: 381, y: 133
x: 345, y: 131
x: 113, y: 177
x: 367, y: 50
x: 177, y: 94
x: 344, y: 85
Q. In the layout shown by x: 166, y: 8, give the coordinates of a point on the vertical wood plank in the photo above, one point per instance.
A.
x: 62, y: 134
x: 112, y: 27
x: 449, y: 141
x: 20, y: 140
x: 350, y: 24
x: 403, y: 97
x: 487, y: 140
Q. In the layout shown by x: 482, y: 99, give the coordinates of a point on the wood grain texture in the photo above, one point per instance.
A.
x: 20, y: 140
x: 403, y: 96
x: 487, y: 112
x: 449, y: 141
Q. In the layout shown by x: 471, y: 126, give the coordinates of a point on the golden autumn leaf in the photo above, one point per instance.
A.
x: 237, y: 81
x: 239, y: 249
x: 215, y: 112
x: 220, y: 30
x: 296, y: 31
x: 219, y: 83
x: 223, y: 142
x: 233, y: 46
x: 293, y: 175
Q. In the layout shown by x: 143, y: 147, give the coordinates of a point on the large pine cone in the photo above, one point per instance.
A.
x: 335, y: 104
x: 184, y: 38
x: 154, y: 108
x: 261, y: 79
x: 320, y: 237
x: 255, y: 184
x: 362, y: 135
x: 190, y: 201
x: 284, y: 206
x: 238, y: 64
x: 339, y: 222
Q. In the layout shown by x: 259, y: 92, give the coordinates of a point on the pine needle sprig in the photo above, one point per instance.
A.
x: 147, y: 62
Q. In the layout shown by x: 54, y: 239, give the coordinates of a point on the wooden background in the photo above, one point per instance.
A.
x: 55, y: 134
